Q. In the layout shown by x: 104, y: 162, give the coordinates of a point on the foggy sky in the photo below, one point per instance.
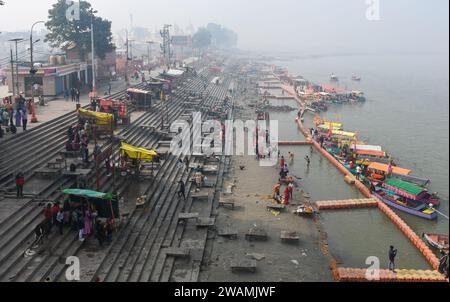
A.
x: 304, y: 26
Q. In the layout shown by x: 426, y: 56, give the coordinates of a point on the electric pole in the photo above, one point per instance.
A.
x: 127, y: 61
x: 165, y: 35
x: 94, y: 88
x: 16, y: 41
x: 32, y: 70
x: 149, y: 50
x: 12, y: 73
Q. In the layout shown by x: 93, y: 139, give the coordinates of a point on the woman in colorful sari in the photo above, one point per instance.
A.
x: 87, y: 224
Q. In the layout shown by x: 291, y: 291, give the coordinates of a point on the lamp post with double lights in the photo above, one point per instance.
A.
x: 33, y: 71
x: 94, y: 87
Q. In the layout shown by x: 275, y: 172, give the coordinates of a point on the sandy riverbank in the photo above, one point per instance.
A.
x: 306, y: 261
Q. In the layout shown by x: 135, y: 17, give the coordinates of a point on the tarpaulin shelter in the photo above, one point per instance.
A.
x: 141, y: 154
x: 106, y: 205
x: 141, y: 98
x: 104, y: 121
x: 385, y: 169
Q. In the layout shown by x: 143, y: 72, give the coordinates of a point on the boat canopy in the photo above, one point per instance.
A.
x: 412, y: 179
x: 385, y: 168
x: 138, y: 153
x: 175, y: 72
x: 371, y: 153
x: 344, y: 133
x: 138, y: 91
x: 332, y: 89
x: 331, y: 124
x: 327, y: 128
x: 101, y: 118
x: 366, y: 148
x: 405, y: 186
x: 88, y: 194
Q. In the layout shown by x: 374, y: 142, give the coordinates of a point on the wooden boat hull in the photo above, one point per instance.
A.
x: 405, y: 209
x: 437, y: 241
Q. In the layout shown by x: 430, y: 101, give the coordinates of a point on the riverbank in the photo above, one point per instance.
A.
x: 307, y: 261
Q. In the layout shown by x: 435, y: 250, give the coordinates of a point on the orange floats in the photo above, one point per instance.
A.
x: 295, y: 143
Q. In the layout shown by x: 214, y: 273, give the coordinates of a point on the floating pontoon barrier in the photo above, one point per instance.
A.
x: 411, y: 235
x: 360, y: 275
x: 281, y: 97
x: 295, y: 143
x: 347, y: 204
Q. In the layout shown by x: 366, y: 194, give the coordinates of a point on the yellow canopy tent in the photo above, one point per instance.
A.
x: 100, y: 117
x: 344, y: 133
x: 331, y: 124
x: 138, y: 153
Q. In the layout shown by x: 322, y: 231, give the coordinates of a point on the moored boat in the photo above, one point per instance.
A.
x: 437, y: 241
x: 334, y: 78
x: 356, y: 78
x: 411, y: 192
x: 357, y: 96
x: 412, y: 207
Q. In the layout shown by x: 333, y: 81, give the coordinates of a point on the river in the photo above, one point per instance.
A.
x: 407, y: 112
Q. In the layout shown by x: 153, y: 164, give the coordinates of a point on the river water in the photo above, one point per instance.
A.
x: 407, y: 113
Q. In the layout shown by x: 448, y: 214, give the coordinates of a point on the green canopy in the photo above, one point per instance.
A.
x: 88, y: 194
x: 405, y: 186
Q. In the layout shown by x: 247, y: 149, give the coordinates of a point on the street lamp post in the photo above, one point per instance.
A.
x: 149, y: 49
x: 33, y: 71
x: 94, y: 88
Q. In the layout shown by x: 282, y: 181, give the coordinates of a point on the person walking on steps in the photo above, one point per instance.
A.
x: 20, y: 182
x: 182, y: 190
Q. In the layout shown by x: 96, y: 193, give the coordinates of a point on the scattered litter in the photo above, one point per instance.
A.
x: 256, y: 256
x: 275, y: 213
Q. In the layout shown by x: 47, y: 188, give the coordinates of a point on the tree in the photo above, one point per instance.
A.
x: 222, y: 36
x: 202, y: 38
x: 63, y: 32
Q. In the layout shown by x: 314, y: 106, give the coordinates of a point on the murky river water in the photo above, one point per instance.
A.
x: 405, y: 113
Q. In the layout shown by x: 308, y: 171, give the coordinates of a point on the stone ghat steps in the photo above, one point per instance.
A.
x: 140, y: 252
x: 31, y: 150
x: 195, y: 84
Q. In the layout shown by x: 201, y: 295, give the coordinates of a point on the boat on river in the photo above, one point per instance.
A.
x: 334, y: 78
x: 410, y: 191
x: 357, y: 96
x: 413, y: 207
x: 438, y: 241
x: 356, y: 78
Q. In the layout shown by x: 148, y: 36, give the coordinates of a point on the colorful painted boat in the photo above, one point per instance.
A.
x: 384, y: 169
x: 357, y: 96
x: 437, y: 241
x: 371, y: 153
x: 411, y: 191
x: 422, y: 182
x: 373, y: 159
x: 366, y: 148
x: 415, y: 208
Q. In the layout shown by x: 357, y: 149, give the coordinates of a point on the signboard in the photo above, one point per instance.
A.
x: 180, y: 40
